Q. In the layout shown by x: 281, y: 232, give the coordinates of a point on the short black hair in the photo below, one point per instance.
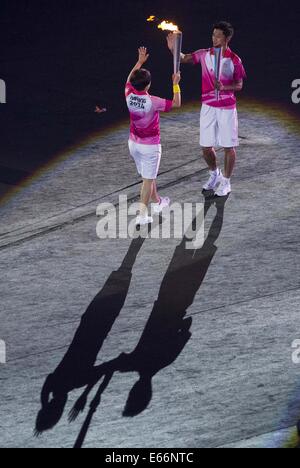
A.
x: 140, y: 79
x: 226, y: 27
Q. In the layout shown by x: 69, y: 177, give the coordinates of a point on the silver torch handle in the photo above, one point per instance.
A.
x: 177, y: 50
x: 218, y: 57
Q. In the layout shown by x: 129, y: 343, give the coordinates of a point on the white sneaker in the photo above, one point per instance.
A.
x: 159, y: 207
x: 224, y: 188
x: 143, y: 220
x: 216, y: 178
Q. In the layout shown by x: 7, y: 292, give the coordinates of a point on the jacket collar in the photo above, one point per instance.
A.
x: 227, y: 53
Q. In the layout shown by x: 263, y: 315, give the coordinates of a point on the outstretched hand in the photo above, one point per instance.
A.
x: 143, y: 55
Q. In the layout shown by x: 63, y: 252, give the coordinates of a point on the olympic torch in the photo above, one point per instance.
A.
x: 167, y: 26
x: 218, y: 57
x: 177, y: 50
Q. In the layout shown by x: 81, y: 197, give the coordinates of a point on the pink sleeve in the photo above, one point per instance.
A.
x: 239, y: 71
x: 128, y: 89
x: 161, y: 105
x: 198, y: 55
x: 169, y: 105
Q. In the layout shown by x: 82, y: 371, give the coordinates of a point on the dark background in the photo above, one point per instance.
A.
x: 60, y: 58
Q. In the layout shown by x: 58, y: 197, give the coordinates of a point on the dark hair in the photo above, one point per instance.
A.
x: 226, y: 27
x: 140, y: 79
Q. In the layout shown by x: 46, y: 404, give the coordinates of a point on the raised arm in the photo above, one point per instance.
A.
x: 176, y: 91
x: 143, y: 57
x: 185, y: 58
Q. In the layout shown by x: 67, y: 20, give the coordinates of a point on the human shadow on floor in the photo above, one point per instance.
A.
x: 167, y: 331
x: 77, y: 368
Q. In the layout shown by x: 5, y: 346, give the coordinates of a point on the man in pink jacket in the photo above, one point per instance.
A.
x: 219, y: 119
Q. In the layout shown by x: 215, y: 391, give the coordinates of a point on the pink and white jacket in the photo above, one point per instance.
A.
x: 232, y: 70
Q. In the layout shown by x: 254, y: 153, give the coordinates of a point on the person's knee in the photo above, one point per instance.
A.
x: 148, y: 182
x: 230, y: 152
x: 208, y: 151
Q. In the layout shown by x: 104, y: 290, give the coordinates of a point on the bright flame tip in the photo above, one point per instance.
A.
x: 166, y: 26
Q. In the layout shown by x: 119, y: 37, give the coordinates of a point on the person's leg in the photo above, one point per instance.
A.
x: 230, y: 159
x: 229, y: 139
x: 150, y: 168
x: 146, y: 193
x: 210, y: 157
x: 215, y: 173
x: 225, y: 187
x: 208, y: 135
x: 155, y: 197
x: 160, y: 203
x: 137, y: 152
x: 208, y: 141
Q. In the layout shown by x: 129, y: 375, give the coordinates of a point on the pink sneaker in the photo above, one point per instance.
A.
x: 159, y: 207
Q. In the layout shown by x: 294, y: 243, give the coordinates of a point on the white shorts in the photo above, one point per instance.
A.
x: 219, y: 127
x: 147, y: 159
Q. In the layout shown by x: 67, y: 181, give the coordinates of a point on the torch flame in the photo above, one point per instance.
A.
x: 166, y: 26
